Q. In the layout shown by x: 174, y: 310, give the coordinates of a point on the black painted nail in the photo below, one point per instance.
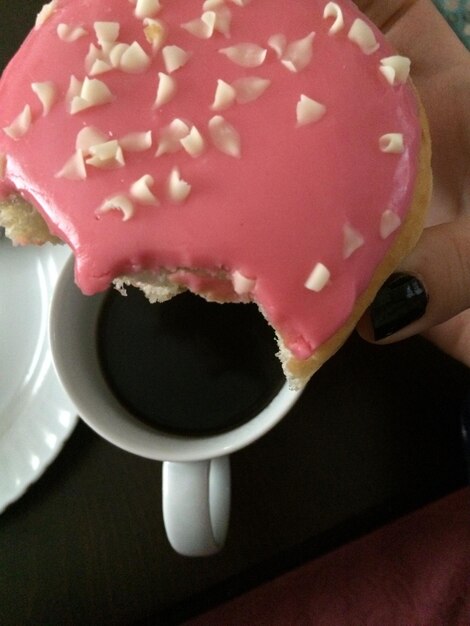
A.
x: 401, y: 300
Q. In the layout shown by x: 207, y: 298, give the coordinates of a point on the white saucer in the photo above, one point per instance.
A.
x: 36, y: 416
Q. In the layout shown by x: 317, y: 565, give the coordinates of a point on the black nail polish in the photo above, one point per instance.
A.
x: 401, y: 300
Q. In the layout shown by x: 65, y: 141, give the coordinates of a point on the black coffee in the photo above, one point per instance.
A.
x: 187, y: 366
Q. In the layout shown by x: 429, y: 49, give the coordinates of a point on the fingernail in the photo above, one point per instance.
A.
x: 401, y: 300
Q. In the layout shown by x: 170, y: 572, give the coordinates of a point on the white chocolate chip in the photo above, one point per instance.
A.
x: 245, y: 54
x: 170, y: 137
x: 389, y: 223
x: 223, y: 20
x: 224, y: 97
x: 319, y: 278
x: 362, y: 35
x: 332, y: 9
x: 118, y: 203
x: 75, y: 87
x: 134, y: 60
x: 100, y: 67
x: 241, y: 284
x: 146, y: 8
x: 392, y: 143
x: 88, y: 137
x: 193, y: 142
x: 47, y: 94
x: 211, y: 5
x: 278, y: 43
x: 298, y: 54
x: 45, y: 13
x: 202, y: 27
x: 140, y: 190
x: 74, y: 168
x: 174, y: 57
x: 106, y: 32
x: 352, y: 241
x: 396, y: 69
x: 224, y: 136
x: 309, y: 110
x: 3, y: 165
x: 20, y: 125
x: 136, y: 142
x: 93, y: 93
x: 93, y: 55
x: 116, y: 52
x: 178, y: 189
x: 106, y: 155
x: 70, y: 33
x: 249, y: 88
x: 166, y: 90
x: 155, y: 33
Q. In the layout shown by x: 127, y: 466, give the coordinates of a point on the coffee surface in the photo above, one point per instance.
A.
x: 187, y: 366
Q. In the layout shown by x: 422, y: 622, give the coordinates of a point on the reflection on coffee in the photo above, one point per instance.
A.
x: 188, y: 366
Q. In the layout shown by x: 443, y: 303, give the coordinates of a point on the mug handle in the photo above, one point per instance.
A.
x: 196, y: 505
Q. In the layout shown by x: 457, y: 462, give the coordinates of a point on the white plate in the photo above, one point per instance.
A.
x: 36, y: 416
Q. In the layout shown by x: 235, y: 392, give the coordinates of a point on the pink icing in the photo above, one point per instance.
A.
x: 272, y: 214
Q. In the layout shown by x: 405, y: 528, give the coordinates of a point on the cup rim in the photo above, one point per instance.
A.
x: 111, y: 420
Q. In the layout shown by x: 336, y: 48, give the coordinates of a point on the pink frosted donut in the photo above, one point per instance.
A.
x: 247, y: 150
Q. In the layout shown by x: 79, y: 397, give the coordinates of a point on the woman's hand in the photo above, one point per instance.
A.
x: 441, y: 261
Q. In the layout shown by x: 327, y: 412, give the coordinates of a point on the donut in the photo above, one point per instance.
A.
x: 246, y: 150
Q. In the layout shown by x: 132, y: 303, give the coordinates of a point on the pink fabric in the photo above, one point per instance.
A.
x: 413, y: 572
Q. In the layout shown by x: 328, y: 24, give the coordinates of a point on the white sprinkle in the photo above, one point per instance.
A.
x: 136, y: 142
x: 166, y: 90
x: 74, y: 168
x: 389, y: 223
x: 106, y: 32
x: 278, y: 43
x: 202, y: 27
x: 332, y: 9
x: 69, y: 33
x: 146, y: 8
x: 118, y: 203
x: 352, y: 241
x: 140, y: 190
x: 170, y: 137
x: 47, y: 94
x: 178, y: 189
x: 224, y: 136
x: 309, y: 110
x: 3, y: 165
x: 362, y: 34
x: 319, y: 278
x: 245, y: 54
x: 88, y: 137
x: 155, y: 33
x: 298, y: 54
x: 392, y: 143
x: 20, y: 125
x: 241, y: 284
x: 134, y: 60
x: 250, y: 88
x: 224, y: 97
x: 45, y: 13
x: 193, y: 142
x: 174, y: 57
x: 396, y: 69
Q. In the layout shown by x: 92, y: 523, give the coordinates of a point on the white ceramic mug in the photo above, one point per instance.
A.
x: 196, y: 470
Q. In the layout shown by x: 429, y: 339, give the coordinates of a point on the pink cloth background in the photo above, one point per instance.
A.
x: 413, y: 572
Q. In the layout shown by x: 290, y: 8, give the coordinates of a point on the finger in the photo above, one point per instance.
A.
x: 431, y: 286
x: 453, y: 337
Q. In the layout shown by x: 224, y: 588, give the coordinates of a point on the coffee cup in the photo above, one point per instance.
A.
x: 190, y: 402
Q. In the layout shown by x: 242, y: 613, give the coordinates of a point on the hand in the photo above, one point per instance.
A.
x: 441, y: 261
